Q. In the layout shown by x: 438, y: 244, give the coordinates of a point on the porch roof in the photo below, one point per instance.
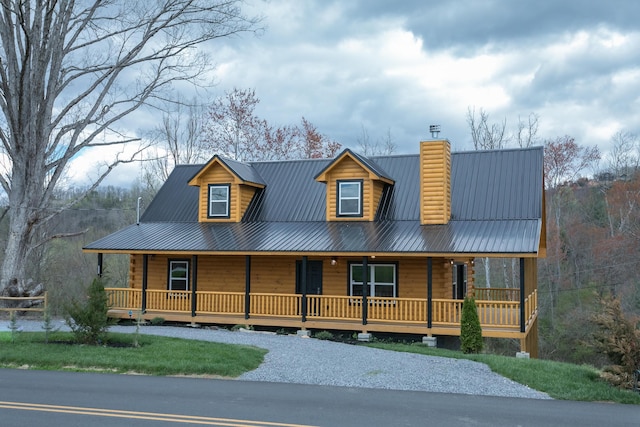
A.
x: 333, y: 238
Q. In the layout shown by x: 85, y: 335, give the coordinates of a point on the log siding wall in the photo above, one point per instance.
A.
x: 277, y: 274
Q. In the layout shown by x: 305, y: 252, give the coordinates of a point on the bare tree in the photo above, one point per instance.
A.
x: 381, y: 147
x: 486, y: 136
x: 624, y: 158
x: 70, y: 71
x: 527, y: 131
x: 177, y: 140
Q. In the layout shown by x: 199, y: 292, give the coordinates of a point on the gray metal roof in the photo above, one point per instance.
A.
x: 496, y: 203
x: 469, y: 237
x: 368, y: 162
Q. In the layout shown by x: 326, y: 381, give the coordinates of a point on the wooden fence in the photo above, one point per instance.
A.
x: 39, y: 308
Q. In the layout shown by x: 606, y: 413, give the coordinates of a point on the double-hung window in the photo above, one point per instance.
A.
x: 219, y: 201
x: 382, y: 280
x: 349, y: 198
x: 178, y: 275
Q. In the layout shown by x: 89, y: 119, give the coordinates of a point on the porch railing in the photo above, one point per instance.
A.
x: 497, y: 294
x: 445, y: 312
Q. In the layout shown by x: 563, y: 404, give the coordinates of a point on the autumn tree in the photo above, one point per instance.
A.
x: 234, y: 129
x: 70, y: 72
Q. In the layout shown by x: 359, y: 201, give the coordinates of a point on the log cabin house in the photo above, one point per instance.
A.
x: 378, y: 244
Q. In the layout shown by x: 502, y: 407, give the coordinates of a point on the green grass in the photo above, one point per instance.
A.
x: 559, y: 380
x: 154, y: 355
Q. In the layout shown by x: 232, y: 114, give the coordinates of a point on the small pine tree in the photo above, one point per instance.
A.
x: 470, y: 330
x: 88, y: 319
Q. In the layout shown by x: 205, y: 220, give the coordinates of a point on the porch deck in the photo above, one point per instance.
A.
x: 500, y: 319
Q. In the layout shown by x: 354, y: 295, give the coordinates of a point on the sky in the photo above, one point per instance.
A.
x: 397, y: 67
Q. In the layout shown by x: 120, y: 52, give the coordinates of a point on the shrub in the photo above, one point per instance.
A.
x: 88, y: 318
x: 324, y: 335
x: 619, y: 339
x: 470, y: 330
x: 157, y: 321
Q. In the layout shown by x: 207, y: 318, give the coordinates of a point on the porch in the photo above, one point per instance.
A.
x: 499, y: 318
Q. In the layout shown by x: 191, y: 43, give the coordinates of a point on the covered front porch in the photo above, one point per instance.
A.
x: 503, y: 313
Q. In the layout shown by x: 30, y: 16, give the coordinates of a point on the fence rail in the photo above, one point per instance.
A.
x: 42, y: 308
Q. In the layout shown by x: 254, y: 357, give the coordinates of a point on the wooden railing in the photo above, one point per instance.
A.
x: 531, y: 307
x: 175, y: 301
x: 334, y: 307
x: 497, y: 294
x: 406, y: 310
x: 220, y: 302
x: 124, y: 298
x: 39, y: 302
x: 445, y: 312
x: 279, y: 305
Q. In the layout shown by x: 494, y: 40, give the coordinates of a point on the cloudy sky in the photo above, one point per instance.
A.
x: 399, y: 66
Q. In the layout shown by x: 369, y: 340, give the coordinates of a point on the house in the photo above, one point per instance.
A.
x: 378, y: 244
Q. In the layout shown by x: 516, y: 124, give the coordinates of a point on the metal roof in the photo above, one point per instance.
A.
x: 508, y: 236
x: 496, y: 205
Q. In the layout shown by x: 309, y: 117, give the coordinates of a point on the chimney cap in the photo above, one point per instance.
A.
x: 435, y: 130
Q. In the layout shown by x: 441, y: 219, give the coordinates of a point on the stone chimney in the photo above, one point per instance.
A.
x: 435, y: 182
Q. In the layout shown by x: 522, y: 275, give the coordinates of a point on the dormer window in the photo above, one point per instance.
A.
x: 350, y: 198
x: 219, y: 201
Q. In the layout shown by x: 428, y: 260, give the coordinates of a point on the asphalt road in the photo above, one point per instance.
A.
x: 29, y: 398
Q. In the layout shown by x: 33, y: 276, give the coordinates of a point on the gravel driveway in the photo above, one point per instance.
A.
x: 292, y: 359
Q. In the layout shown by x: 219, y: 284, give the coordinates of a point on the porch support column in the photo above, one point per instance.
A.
x: 429, y: 292
x: 145, y: 268
x: 523, y: 321
x: 194, y: 284
x: 303, y: 284
x: 365, y: 290
x: 247, y: 286
x: 100, y: 264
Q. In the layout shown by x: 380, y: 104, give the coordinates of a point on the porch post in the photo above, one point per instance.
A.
x: 365, y: 290
x: 303, y: 283
x: 429, y: 292
x: 247, y: 286
x: 522, y: 296
x: 145, y: 267
x: 99, y: 264
x: 194, y: 284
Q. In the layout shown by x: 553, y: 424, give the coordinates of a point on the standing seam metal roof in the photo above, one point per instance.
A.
x: 496, y: 205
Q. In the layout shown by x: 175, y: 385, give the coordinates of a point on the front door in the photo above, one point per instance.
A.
x: 314, y: 284
x: 314, y: 277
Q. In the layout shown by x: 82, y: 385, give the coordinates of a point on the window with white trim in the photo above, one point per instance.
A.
x: 349, y: 198
x: 382, y: 280
x: 219, y: 201
x: 178, y: 275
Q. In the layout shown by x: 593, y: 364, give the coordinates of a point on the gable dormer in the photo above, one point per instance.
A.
x: 226, y: 188
x: 354, y: 187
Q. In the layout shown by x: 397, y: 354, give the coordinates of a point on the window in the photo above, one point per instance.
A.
x: 218, y: 201
x: 178, y: 275
x: 382, y: 280
x: 349, y: 198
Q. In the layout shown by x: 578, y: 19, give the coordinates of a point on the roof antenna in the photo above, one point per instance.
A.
x: 435, y: 130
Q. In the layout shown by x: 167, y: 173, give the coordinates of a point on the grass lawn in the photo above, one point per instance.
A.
x: 559, y: 380
x: 153, y: 356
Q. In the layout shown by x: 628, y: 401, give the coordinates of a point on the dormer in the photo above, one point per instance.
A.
x: 226, y: 188
x: 354, y: 187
